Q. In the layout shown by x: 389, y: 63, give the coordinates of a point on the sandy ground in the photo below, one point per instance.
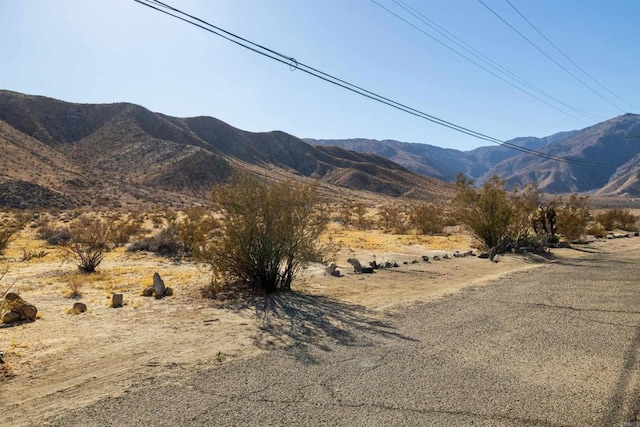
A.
x: 63, y: 361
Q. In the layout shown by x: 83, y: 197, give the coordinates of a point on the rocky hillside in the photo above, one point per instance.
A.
x: 608, y: 145
x: 78, y: 154
x: 437, y: 162
x: 613, y: 146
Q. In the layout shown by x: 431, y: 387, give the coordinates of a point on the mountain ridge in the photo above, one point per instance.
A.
x: 112, y: 153
x: 608, y: 146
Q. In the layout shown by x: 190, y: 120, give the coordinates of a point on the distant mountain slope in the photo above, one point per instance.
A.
x: 436, y: 162
x: 428, y: 160
x: 123, y: 152
x: 625, y: 181
x: 608, y: 144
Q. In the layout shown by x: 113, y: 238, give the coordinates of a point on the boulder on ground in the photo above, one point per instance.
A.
x: 158, y: 286
x: 117, y: 300
x: 10, y: 316
x: 331, y: 268
x: 357, y: 267
x: 148, y: 292
x: 78, y: 308
x: 14, y: 309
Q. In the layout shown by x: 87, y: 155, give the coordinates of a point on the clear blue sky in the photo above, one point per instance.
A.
x: 111, y: 51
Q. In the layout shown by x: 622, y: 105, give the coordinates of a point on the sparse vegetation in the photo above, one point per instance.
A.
x: 28, y: 255
x: 527, y: 203
x: 122, y: 230
x: 186, y: 237
x: 622, y: 219
x: 573, y: 217
x: 7, y: 230
x: 89, y: 240
x: 270, y: 232
x: 74, y: 288
x: 394, y: 219
x: 354, y: 214
x: 597, y: 230
x: 428, y: 218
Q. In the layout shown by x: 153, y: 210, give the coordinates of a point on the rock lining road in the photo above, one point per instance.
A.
x: 552, y: 346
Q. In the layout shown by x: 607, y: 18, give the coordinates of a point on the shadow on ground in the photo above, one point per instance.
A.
x: 309, y: 321
x: 305, y: 322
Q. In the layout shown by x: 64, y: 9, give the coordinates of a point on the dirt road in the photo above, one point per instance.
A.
x: 552, y: 346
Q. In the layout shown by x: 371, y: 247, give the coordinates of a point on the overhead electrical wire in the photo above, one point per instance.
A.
x: 296, y: 65
x: 567, y: 56
x: 484, y: 57
x: 480, y: 56
x: 539, y: 49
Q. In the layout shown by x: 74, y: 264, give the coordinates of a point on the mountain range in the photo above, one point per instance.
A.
x: 604, y: 159
x: 61, y: 154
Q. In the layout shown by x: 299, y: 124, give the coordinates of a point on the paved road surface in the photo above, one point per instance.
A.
x: 553, y: 346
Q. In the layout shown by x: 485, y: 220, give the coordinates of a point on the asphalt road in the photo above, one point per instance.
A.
x: 553, y: 346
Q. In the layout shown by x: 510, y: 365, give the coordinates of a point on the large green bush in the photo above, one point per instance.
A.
x: 488, y: 211
x: 269, y: 232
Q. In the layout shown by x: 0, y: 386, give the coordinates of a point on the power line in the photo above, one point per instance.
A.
x: 567, y: 57
x: 480, y: 56
x: 549, y: 56
x: 292, y: 62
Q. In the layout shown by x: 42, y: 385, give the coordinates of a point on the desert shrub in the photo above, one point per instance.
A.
x: 572, y: 217
x: 54, y: 235
x: 164, y: 243
x: 5, y: 237
x: 196, y: 230
x: 62, y: 236
x: 122, y: 230
x: 622, y: 219
x: 184, y: 237
x: 354, y: 214
x: 526, y: 202
x: 89, y: 240
x: 44, y: 228
x: 394, y: 219
x: 487, y: 211
x: 157, y: 220
x: 74, y: 288
x: 28, y: 255
x: 596, y: 229
x: 7, y: 230
x: 428, y: 218
x: 269, y: 232
x: 502, y: 219
x: 212, y: 289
